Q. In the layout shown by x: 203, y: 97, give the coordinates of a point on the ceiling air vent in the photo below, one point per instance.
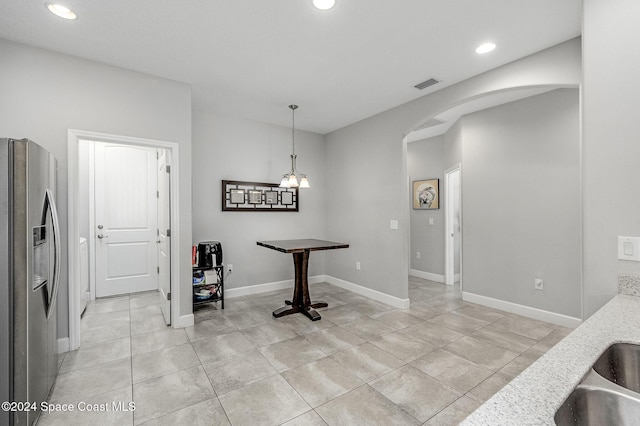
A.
x: 426, y: 83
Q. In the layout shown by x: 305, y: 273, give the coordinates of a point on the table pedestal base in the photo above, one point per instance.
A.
x: 312, y: 314
x: 301, y: 302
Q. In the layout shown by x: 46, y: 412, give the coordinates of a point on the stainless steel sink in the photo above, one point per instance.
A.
x: 598, y: 407
x: 609, y: 394
x: 620, y: 364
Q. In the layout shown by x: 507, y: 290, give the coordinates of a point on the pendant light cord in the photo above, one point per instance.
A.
x: 290, y: 180
x: 293, y: 128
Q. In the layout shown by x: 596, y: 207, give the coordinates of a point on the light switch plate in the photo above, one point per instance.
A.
x: 393, y: 224
x: 629, y: 248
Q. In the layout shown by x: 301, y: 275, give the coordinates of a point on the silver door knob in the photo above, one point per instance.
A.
x: 102, y: 236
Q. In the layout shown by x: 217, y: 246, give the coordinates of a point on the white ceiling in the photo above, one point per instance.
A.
x: 252, y: 58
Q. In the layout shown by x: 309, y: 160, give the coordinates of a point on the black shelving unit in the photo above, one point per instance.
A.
x: 217, y: 289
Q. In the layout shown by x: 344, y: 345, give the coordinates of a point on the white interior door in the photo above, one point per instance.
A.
x: 126, y: 219
x: 164, y: 233
x: 452, y: 225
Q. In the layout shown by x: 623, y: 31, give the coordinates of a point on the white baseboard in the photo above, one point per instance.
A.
x: 367, y: 292
x: 426, y: 275
x: 63, y: 345
x: 525, y: 311
x: 184, y: 321
x: 267, y: 287
x: 316, y: 279
x: 456, y: 278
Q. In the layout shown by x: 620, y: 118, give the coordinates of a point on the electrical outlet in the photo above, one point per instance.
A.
x: 538, y: 284
x: 230, y: 268
x: 357, y: 266
x: 417, y: 255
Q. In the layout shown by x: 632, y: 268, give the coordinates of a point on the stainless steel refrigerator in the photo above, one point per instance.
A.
x: 29, y: 277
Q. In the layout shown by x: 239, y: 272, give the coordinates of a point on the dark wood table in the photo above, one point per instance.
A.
x: 300, y: 249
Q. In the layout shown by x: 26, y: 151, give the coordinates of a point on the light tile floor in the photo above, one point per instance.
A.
x: 364, y: 363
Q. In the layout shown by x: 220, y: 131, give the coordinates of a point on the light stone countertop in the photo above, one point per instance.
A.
x: 533, y: 397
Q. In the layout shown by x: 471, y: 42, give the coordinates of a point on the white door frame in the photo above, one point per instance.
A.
x: 73, y: 231
x: 449, y: 250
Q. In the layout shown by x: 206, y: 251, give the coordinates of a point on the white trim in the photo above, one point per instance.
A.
x: 396, y: 302
x: 439, y: 278
x: 581, y: 150
x: 525, y: 311
x: 73, y: 234
x: 182, y: 321
x: 405, y: 223
x: 267, y: 287
x: 316, y: 279
x: 63, y: 345
x: 92, y: 221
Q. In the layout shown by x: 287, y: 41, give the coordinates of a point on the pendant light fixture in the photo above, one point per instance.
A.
x: 294, y: 179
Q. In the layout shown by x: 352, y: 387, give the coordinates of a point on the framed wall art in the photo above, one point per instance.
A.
x: 426, y: 194
x: 241, y: 196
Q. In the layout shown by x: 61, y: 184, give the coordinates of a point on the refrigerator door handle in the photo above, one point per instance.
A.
x: 50, y: 203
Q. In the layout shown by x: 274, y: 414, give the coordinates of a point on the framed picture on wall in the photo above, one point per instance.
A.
x: 245, y: 196
x: 426, y: 194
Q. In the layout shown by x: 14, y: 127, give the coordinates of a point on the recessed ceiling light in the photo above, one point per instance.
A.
x: 324, y: 4
x: 61, y: 11
x: 485, y: 48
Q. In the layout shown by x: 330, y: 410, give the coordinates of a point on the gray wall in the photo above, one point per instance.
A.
x: 425, y: 160
x: 366, y: 169
x: 453, y: 145
x: 521, y: 202
x: 365, y: 178
x: 611, y: 143
x: 236, y: 149
x: 44, y: 94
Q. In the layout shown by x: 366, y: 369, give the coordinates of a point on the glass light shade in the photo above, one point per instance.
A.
x: 293, y: 181
x: 61, y: 11
x: 304, y: 183
x: 285, y: 182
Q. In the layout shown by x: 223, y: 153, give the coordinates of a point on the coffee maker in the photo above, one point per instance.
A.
x: 209, y: 254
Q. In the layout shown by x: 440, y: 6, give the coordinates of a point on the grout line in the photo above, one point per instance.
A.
x: 133, y: 414
x: 442, y: 296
